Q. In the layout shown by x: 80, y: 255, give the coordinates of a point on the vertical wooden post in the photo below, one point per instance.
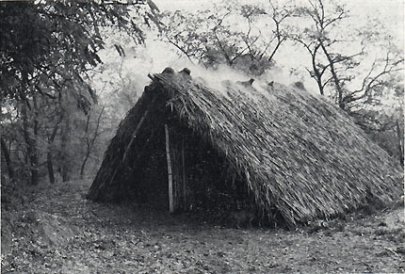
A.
x: 169, y: 170
x: 183, y: 167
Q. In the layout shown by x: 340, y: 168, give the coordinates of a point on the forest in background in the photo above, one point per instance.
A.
x: 72, y: 69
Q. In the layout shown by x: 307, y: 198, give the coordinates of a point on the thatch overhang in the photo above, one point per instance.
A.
x: 295, y: 151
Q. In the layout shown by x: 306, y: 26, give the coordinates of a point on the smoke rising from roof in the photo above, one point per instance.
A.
x: 157, y: 55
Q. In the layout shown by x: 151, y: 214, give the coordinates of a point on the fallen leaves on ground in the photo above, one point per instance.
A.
x: 58, y: 231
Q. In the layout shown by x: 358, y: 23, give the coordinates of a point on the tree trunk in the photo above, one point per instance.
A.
x: 65, y: 170
x: 6, y: 154
x: 400, y: 143
x: 31, y: 145
x: 335, y: 77
x: 49, y: 157
x: 317, y: 75
x: 83, y: 166
x: 90, y: 143
x: 49, y: 163
x: 87, y: 154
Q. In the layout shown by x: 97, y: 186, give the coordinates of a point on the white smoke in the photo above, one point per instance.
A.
x: 140, y: 61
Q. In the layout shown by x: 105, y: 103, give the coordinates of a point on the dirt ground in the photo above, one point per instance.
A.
x: 56, y: 230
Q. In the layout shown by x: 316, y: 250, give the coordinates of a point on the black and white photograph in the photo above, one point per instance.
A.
x: 191, y: 136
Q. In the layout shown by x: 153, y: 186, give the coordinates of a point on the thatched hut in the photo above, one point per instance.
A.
x: 185, y: 146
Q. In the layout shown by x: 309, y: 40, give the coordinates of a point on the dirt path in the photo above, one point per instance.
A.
x: 59, y: 231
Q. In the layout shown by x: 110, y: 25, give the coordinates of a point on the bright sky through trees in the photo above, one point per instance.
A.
x: 391, y: 12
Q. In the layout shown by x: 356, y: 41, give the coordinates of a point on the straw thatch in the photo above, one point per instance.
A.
x: 294, y: 151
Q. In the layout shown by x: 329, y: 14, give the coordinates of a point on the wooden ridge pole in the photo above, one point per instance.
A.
x: 124, y: 157
x: 169, y: 170
x: 135, y: 132
x: 133, y: 137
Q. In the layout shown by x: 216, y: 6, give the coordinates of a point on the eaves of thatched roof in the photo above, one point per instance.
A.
x: 294, y: 150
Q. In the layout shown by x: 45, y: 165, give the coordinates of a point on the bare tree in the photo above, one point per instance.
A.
x: 378, y: 76
x: 6, y: 154
x: 90, y: 139
x: 30, y: 133
x: 209, y: 38
x: 318, y: 43
x: 49, y: 153
x: 330, y: 65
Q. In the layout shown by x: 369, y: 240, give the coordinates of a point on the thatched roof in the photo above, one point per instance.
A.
x: 295, y: 151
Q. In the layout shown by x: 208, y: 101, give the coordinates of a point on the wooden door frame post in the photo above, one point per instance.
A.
x: 183, y: 167
x: 169, y: 170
